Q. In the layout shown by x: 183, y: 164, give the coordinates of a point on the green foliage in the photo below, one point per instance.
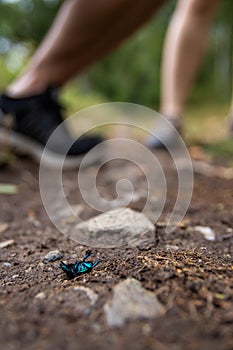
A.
x: 75, y: 99
x: 27, y: 20
x: 225, y: 11
x: 221, y: 149
x: 5, y: 76
x: 23, y: 24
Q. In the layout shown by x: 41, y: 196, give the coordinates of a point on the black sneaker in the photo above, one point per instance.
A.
x: 27, y: 123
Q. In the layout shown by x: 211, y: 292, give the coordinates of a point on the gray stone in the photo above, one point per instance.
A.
x: 131, y: 302
x: 52, y: 256
x: 115, y: 228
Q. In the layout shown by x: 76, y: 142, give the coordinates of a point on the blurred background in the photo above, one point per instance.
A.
x: 132, y: 73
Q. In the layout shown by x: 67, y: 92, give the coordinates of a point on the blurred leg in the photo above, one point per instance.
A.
x: 83, y: 32
x: 183, y: 51
x: 231, y: 118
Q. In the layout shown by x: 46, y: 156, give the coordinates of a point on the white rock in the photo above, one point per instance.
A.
x: 131, y: 302
x: 115, y: 228
x: 6, y: 243
x: 52, y: 256
x: 207, y: 232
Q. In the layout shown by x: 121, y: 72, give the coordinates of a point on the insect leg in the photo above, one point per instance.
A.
x: 88, y: 253
x: 64, y: 267
x: 96, y: 263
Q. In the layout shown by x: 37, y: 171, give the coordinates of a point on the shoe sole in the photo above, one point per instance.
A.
x: 25, y: 146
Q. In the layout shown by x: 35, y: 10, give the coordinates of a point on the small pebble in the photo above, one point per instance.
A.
x: 40, y: 296
x: 172, y: 247
x: 161, y: 224
x: 207, y: 232
x: 146, y: 329
x: 52, y: 256
x: 28, y: 270
x: 3, y: 227
x: 6, y: 264
x: 96, y: 327
x: 41, y: 265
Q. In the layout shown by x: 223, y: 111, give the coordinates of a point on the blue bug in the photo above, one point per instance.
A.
x: 80, y: 267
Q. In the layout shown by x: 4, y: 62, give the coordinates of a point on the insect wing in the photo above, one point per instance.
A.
x: 86, y: 267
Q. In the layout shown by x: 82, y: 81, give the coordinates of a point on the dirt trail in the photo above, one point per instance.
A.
x: 191, y: 276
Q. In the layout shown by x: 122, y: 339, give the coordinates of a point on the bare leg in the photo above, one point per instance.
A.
x: 183, y: 51
x: 83, y: 32
x: 231, y: 118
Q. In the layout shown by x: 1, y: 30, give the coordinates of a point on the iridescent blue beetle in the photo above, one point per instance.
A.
x: 80, y: 267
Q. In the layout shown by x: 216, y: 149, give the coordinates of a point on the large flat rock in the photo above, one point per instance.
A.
x: 131, y: 302
x: 115, y: 228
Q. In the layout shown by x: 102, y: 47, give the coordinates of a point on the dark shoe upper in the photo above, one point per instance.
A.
x: 37, y: 116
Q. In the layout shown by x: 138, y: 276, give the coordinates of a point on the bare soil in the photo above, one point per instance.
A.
x: 192, y: 277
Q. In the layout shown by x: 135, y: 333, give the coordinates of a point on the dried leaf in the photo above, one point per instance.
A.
x: 8, y: 189
x: 6, y: 243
